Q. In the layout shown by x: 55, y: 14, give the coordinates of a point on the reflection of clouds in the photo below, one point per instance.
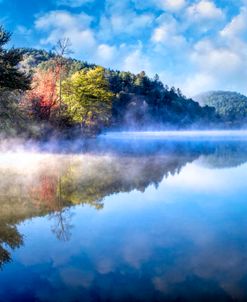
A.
x: 227, y: 269
x: 136, y: 249
x: 201, y: 179
x: 170, y: 244
x: 105, y: 265
x: 175, y: 240
x: 218, y: 258
x: 76, y: 277
x: 165, y: 282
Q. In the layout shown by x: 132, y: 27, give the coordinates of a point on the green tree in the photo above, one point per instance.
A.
x: 88, y: 98
x: 10, y: 75
x: 12, y: 83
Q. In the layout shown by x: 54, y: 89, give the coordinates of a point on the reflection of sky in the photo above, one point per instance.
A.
x: 189, y: 232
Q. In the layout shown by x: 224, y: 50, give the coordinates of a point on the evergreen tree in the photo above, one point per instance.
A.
x: 10, y: 76
x: 12, y: 81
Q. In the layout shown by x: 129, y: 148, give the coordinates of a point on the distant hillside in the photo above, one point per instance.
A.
x: 231, y: 106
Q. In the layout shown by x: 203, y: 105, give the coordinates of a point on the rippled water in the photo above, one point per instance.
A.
x: 125, y: 220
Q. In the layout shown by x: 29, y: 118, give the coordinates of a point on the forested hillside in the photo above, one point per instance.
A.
x: 231, y: 106
x: 48, y: 92
x: 138, y: 101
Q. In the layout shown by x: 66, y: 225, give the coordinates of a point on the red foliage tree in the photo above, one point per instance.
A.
x: 43, y: 98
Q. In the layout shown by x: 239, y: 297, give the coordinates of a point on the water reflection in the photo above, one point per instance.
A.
x: 53, y: 183
x: 181, y: 251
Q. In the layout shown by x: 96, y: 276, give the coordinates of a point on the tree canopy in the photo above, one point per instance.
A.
x: 10, y: 75
x: 88, y: 97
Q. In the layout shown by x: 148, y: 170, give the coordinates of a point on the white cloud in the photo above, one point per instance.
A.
x: 113, y: 6
x: 121, y: 20
x: 215, y: 59
x: 76, y: 27
x: 106, y: 53
x: 166, y: 5
x: 72, y: 3
x: 124, y: 57
x: 88, y: 45
x: 136, y: 61
x: 216, y: 66
x: 161, y: 34
x: 204, y: 9
x: 237, y: 27
x: 168, y: 27
x: 197, y: 83
x: 171, y: 5
x: 121, y: 24
x: 118, y: 24
x: 168, y: 32
x: 62, y: 19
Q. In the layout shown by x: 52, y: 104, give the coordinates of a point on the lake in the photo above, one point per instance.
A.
x: 125, y: 217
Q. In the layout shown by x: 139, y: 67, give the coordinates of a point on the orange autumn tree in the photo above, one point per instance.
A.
x: 42, y: 100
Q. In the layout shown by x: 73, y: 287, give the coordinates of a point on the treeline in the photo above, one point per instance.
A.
x: 43, y: 93
x: 230, y: 106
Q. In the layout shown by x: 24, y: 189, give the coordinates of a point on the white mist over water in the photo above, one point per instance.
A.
x: 185, y: 134
x: 107, y: 142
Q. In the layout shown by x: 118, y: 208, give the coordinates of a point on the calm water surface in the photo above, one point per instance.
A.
x: 151, y: 219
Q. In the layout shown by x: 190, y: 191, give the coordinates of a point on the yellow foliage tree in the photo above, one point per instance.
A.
x: 88, y: 98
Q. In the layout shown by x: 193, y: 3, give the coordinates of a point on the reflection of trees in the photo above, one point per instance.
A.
x: 89, y: 179
x: 8, y: 236
x: 62, y: 226
x: 58, y: 182
x: 46, y: 192
x: 226, y: 155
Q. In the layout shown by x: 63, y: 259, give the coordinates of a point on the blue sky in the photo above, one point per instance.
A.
x: 197, y: 45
